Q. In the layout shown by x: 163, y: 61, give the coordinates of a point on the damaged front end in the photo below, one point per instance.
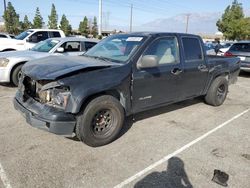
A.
x: 43, y: 104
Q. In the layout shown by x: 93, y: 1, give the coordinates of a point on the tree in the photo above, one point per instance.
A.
x: 38, y: 19
x: 94, y: 27
x: 83, y: 27
x: 53, y: 18
x: 65, y: 26
x: 11, y: 19
x: 26, y: 24
x: 233, y: 23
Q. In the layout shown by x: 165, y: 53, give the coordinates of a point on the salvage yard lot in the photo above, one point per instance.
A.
x: 33, y: 158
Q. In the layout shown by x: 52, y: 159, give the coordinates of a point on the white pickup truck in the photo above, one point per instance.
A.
x: 28, y: 39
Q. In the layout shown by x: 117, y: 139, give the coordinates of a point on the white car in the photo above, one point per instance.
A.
x: 12, y: 62
x: 6, y: 35
x: 28, y: 39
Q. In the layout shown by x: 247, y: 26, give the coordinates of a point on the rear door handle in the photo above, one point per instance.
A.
x: 202, y: 67
x: 176, y: 71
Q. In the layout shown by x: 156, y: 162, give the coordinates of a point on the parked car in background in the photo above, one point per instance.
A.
x: 124, y: 74
x: 241, y: 50
x: 12, y: 62
x: 225, y: 48
x: 28, y: 39
x: 6, y: 35
x: 209, y: 50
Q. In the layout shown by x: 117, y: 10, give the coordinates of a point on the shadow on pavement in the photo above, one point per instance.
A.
x: 244, y: 74
x: 7, y: 85
x: 130, y: 120
x: 175, y: 176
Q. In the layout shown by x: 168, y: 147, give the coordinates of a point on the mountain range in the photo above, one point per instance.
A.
x: 199, y: 23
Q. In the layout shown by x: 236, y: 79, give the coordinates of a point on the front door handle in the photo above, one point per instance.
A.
x: 176, y: 71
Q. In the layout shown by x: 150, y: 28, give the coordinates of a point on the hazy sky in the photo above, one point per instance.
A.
x: 117, y: 12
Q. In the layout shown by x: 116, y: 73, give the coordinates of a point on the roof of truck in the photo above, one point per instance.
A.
x: 161, y: 33
x: 45, y: 29
x: 66, y: 39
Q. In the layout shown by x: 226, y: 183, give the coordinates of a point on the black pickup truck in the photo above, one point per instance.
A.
x: 124, y: 74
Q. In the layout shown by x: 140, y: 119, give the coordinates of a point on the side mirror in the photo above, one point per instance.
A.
x: 60, y: 50
x: 148, y: 61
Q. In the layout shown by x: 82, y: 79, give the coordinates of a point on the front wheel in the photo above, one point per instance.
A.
x: 101, y: 121
x: 217, y: 92
x: 16, y: 74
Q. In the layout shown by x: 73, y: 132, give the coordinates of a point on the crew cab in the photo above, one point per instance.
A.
x: 124, y: 74
x: 28, y: 39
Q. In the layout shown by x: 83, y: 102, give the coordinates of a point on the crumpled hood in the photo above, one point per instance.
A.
x: 26, y: 54
x: 51, y: 68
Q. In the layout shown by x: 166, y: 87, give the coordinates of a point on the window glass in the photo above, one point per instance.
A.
x: 116, y: 47
x: 55, y: 34
x: 192, y: 49
x: 166, y: 50
x: 24, y: 34
x: 73, y: 46
x: 243, y: 47
x: 3, y: 36
x: 89, y: 45
x: 45, y: 46
x: 39, y: 36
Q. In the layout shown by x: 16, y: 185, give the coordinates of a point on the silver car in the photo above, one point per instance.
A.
x: 12, y: 62
x: 242, y: 50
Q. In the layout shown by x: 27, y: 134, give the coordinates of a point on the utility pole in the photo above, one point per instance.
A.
x: 4, y: 3
x: 100, y: 18
x: 131, y: 18
x: 187, y: 23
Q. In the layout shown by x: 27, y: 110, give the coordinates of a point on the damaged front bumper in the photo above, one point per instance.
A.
x: 45, y: 117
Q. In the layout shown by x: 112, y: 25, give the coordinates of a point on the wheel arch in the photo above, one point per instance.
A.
x: 218, y: 74
x: 112, y: 92
x: 9, y: 49
x: 13, y: 68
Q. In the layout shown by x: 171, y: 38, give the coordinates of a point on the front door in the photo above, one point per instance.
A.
x: 159, y: 85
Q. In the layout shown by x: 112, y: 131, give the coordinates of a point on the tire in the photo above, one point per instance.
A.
x: 101, y: 121
x: 217, y: 92
x: 15, y: 75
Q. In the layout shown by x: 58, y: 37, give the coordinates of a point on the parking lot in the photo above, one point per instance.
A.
x: 175, y: 146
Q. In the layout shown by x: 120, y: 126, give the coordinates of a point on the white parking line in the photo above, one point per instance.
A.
x: 4, y: 177
x: 166, y: 158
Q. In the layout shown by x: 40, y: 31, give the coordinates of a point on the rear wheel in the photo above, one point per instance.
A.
x: 16, y: 74
x: 101, y: 121
x: 217, y: 92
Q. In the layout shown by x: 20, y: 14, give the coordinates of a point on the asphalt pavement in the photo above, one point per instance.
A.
x: 176, y: 146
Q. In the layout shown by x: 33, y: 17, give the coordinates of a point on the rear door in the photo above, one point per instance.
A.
x: 195, y: 73
x: 159, y: 85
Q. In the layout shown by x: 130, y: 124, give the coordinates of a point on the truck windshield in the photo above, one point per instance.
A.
x: 23, y: 35
x: 45, y: 46
x: 116, y: 48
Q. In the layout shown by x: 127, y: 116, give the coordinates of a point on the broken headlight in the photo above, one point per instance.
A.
x: 56, y: 97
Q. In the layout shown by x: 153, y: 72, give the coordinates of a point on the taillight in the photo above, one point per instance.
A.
x: 228, y: 54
